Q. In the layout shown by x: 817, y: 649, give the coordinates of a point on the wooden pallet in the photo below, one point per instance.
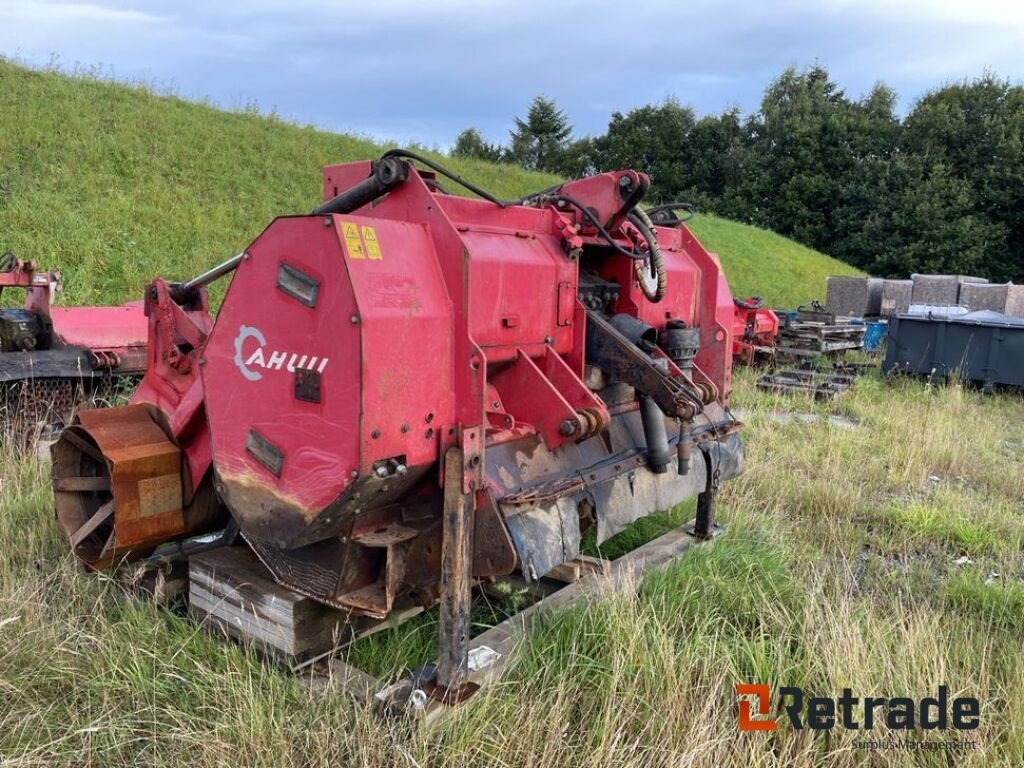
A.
x: 820, y: 386
x: 799, y: 339
x: 232, y: 592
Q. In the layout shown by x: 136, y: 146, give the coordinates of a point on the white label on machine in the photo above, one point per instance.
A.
x: 482, y: 657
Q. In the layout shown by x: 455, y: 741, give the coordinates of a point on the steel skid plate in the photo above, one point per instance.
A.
x: 547, y: 496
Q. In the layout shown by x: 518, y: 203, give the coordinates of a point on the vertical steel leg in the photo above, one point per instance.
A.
x: 704, y: 524
x: 456, y: 564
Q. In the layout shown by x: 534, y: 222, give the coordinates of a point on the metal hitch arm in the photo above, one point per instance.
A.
x: 618, y: 356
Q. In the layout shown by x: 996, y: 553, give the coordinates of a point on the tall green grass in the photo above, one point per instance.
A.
x: 830, y: 575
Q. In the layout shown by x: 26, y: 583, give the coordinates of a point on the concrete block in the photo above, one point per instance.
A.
x: 1006, y: 298
x: 853, y: 296
x: 896, y: 297
x: 940, y: 290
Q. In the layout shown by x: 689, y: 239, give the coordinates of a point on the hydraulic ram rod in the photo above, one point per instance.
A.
x: 210, y: 275
x: 387, y: 174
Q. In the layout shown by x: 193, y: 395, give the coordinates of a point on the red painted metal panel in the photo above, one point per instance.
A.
x: 508, y: 310
x: 379, y: 337
x: 405, y: 319
x: 100, y: 327
x: 261, y: 335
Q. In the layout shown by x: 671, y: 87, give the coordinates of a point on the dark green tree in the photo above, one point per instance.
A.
x: 923, y: 222
x: 650, y: 139
x: 539, y: 142
x: 975, y: 129
x: 716, y: 154
x: 471, y: 143
x: 818, y: 161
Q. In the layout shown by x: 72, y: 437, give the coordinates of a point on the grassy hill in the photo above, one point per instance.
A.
x: 762, y: 263
x: 115, y: 185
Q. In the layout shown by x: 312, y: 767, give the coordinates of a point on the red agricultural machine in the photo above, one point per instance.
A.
x: 406, y: 392
x: 53, y: 358
x: 754, y: 331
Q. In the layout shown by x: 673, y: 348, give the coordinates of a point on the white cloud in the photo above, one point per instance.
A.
x: 65, y: 14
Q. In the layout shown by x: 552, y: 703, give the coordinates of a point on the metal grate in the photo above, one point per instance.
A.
x: 34, y: 408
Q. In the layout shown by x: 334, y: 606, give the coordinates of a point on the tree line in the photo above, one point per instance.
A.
x: 940, y: 189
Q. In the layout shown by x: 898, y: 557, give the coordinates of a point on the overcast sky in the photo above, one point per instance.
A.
x: 425, y: 69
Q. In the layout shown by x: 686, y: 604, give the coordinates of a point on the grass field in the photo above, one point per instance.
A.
x: 884, y: 556
x: 841, y: 567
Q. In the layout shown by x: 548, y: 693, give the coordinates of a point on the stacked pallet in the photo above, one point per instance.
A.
x: 823, y: 335
x: 231, y: 591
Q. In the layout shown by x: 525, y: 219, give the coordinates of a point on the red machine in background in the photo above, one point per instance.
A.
x: 754, y: 331
x: 51, y: 356
x: 405, y: 392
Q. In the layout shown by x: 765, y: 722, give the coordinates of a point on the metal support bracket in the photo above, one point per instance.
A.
x: 704, y: 525
x: 456, y: 582
x: 615, y: 354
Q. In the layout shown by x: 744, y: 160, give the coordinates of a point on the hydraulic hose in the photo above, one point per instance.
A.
x: 665, y: 215
x: 438, y: 168
x: 639, y: 219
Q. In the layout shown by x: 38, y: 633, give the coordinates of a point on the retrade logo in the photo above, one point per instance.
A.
x: 252, y: 357
x: 763, y: 694
x: 822, y: 713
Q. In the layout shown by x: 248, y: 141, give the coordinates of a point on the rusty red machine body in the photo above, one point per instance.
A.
x: 49, y: 355
x: 406, y: 392
x: 754, y: 331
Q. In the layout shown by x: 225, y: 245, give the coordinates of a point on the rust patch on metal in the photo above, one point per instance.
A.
x: 159, y: 495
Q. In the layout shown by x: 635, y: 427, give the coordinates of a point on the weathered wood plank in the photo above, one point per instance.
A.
x: 346, y: 679
x: 619, y: 573
x: 230, y: 585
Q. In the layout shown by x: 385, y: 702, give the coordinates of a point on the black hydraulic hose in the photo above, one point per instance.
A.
x: 638, y: 218
x: 665, y: 215
x: 543, y: 195
x: 437, y: 167
x: 535, y: 195
x: 592, y: 219
x: 754, y: 302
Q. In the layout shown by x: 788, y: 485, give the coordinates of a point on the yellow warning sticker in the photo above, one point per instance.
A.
x: 370, y: 241
x: 353, y: 244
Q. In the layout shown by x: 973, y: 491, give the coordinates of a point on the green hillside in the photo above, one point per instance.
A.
x: 762, y: 263
x: 113, y: 185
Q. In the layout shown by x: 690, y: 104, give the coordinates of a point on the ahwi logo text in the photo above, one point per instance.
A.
x: 853, y: 713
x: 273, y: 360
